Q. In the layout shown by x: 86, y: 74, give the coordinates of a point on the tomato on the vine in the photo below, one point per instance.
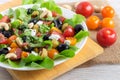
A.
x: 85, y: 8
x: 106, y: 37
x: 93, y: 22
x: 107, y: 22
x: 108, y: 11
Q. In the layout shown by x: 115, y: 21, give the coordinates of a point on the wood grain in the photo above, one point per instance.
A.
x: 84, y: 55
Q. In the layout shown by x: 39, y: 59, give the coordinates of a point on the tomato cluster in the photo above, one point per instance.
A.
x: 106, y: 35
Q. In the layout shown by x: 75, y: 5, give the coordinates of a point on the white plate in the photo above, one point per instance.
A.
x: 67, y: 14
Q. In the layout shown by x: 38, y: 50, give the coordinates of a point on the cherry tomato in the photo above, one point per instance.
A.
x: 85, y: 8
x: 72, y: 40
x: 107, y: 22
x: 61, y: 39
x: 62, y: 18
x: 108, y: 11
x: 54, y: 14
x: 69, y: 32
x: 5, y: 19
x: 52, y: 53
x: 106, y: 37
x: 3, y: 40
x: 93, y: 22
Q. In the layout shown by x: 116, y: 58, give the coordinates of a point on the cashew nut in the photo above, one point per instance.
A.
x: 19, y: 41
x: 43, y: 53
x: 30, y: 25
x: 4, y: 25
x: 11, y: 56
x: 44, y: 13
x: 49, y: 13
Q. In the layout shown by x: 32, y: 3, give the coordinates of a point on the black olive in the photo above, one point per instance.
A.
x: 8, y: 33
x: 24, y: 38
x: 34, y: 20
x: 78, y: 28
x: 4, y: 51
x: 46, y: 37
x: 58, y: 23
x: 29, y: 11
x: 62, y: 47
x: 29, y: 49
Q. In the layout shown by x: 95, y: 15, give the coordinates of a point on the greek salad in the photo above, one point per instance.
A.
x: 38, y: 35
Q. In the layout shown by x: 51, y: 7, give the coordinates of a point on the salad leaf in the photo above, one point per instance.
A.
x: 44, y: 28
x: 80, y: 35
x: 34, y: 64
x: 77, y: 19
x: 51, y: 5
x: 47, y: 63
x: 35, y: 7
x: 2, y: 58
x: 74, y: 48
x: 15, y: 24
x: 1, y: 16
x: 27, y: 2
x: 32, y: 58
x: 31, y: 1
x: 11, y: 12
x: 58, y: 56
x: 3, y: 46
x: 68, y: 53
x: 13, y: 63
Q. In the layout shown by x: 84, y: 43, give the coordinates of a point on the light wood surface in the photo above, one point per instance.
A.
x: 90, y: 50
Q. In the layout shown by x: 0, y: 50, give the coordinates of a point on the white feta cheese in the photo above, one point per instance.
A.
x: 67, y: 42
x: 54, y: 36
x: 34, y: 53
x: 33, y: 32
x: 9, y: 48
x: 39, y: 23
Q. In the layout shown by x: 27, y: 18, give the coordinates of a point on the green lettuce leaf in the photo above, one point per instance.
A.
x: 13, y: 63
x: 24, y: 2
x: 10, y: 13
x: 80, y: 35
x: 3, y: 46
x: 1, y: 16
x: 44, y: 28
x: 77, y: 19
x: 47, y: 63
x: 15, y: 24
x: 2, y: 58
x: 68, y: 53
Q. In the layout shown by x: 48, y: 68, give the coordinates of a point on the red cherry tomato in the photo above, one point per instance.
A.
x: 69, y: 32
x: 106, y: 37
x: 54, y: 14
x: 5, y: 19
x: 85, y: 8
x: 62, y: 18
x: 3, y: 40
x: 61, y: 39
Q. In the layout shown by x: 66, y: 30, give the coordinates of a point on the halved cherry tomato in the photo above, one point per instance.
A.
x: 3, y: 40
x: 24, y: 54
x: 5, y: 19
x: 108, y: 11
x: 62, y: 18
x: 52, y: 53
x: 69, y: 32
x: 107, y: 22
x: 54, y: 14
x: 72, y: 40
x: 93, y: 22
x: 61, y: 39
x: 13, y: 45
x: 11, y: 39
x: 106, y: 37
